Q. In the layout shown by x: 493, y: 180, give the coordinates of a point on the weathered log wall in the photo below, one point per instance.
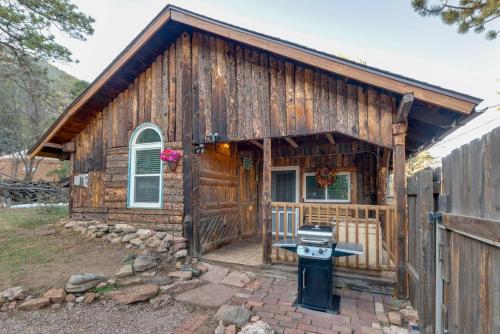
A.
x: 241, y: 93
x: 102, y: 148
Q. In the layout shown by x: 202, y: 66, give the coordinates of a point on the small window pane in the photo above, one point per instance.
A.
x: 149, y: 136
x: 147, y: 189
x: 147, y: 161
x: 339, y: 190
x: 313, y: 190
x: 283, y: 186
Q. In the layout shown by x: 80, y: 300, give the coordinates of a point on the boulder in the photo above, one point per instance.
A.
x: 55, y: 295
x: 409, y: 315
x: 202, y: 267
x: 89, y: 298
x: 144, y: 262
x: 135, y: 294
x: 144, y: 233
x: 34, y: 304
x: 161, y: 235
x: 179, y: 246
x: 232, y: 314
x: 181, y: 274
x: 180, y: 286
x: 153, y: 242
x: 180, y: 254
x: 395, y: 318
x: 2, y: 300
x: 215, y: 274
x: 210, y: 295
x: 259, y: 327
x: 236, y: 278
x: 125, y: 228
x: 128, y: 237
x: 220, y: 329
x: 160, y: 301
x: 136, y: 242
x: 231, y: 329
x: 16, y: 293
x: 125, y: 271
x: 70, y: 298
x: 83, y: 282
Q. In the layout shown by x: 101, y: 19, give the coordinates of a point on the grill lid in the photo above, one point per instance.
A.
x: 316, y: 231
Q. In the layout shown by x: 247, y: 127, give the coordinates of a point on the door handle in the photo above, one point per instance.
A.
x: 304, y: 278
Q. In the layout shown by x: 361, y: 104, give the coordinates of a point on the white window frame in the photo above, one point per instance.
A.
x: 133, y: 148
x: 327, y: 200
x: 296, y: 169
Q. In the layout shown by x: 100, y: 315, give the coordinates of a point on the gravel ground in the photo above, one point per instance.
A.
x: 96, y: 318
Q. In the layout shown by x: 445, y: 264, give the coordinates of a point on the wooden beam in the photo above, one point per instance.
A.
x: 189, y: 222
x: 266, y: 203
x: 404, y: 108
x: 485, y: 230
x: 330, y: 138
x: 291, y: 142
x: 53, y: 145
x: 398, y: 161
x: 69, y: 147
x: 257, y: 143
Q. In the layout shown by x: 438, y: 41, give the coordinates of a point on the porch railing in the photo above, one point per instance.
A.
x: 370, y: 225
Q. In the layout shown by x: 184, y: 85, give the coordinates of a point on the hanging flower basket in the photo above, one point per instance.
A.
x: 325, y: 177
x: 171, y: 157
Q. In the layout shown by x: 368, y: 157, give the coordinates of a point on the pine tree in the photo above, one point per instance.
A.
x: 466, y: 14
x: 27, y: 30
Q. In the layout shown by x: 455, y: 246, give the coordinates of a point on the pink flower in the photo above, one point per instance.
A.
x: 170, y: 155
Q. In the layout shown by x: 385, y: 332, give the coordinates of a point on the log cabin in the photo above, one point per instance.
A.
x: 258, y: 120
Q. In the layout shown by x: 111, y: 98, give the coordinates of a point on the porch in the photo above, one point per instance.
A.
x: 376, y: 234
x: 233, y: 211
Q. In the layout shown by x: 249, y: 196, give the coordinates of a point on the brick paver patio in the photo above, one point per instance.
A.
x: 272, y: 299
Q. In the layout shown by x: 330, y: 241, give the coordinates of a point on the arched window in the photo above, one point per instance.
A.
x: 145, y: 167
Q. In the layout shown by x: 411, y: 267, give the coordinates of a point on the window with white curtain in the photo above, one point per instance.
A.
x: 145, y: 168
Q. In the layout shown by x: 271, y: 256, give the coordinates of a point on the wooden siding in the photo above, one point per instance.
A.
x: 241, y: 94
x: 227, y: 196
x: 355, y: 157
x: 246, y: 94
x: 102, y: 147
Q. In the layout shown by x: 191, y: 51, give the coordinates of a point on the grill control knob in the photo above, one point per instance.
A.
x: 320, y: 250
x: 306, y: 250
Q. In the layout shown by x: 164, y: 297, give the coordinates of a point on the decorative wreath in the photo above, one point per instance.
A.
x: 325, y: 176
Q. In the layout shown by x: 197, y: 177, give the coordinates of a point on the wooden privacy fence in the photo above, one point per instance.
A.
x: 453, y: 264
x: 370, y: 225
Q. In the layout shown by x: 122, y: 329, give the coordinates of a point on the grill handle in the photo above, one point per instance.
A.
x: 314, y: 241
x: 304, y: 278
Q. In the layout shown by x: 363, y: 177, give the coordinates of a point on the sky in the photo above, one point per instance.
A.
x: 386, y: 34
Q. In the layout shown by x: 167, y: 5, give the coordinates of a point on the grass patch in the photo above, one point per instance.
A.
x: 20, y: 246
x: 31, y: 218
x: 107, y: 288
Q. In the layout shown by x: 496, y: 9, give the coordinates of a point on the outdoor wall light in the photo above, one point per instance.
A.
x: 214, y: 136
x: 199, y: 148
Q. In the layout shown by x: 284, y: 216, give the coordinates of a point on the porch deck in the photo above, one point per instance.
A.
x: 246, y: 252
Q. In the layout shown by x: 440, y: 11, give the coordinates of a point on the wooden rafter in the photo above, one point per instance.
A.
x: 257, y: 143
x: 330, y: 138
x: 404, y: 108
x: 292, y: 142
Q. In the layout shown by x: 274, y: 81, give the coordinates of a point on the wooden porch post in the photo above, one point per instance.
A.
x: 399, y: 129
x: 266, y: 203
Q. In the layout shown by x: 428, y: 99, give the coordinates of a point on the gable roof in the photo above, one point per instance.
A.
x: 170, y: 22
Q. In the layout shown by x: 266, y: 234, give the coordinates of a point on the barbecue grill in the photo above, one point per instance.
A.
x: 316, y: 247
